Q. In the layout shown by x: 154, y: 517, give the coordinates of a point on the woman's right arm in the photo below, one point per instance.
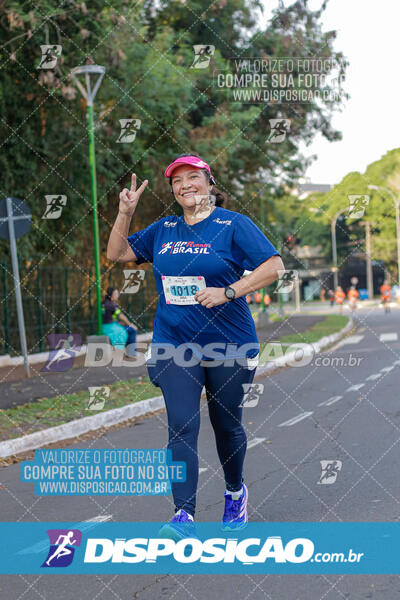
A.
x: 118, y: 248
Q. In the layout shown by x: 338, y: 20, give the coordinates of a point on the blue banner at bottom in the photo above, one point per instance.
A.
x: 91, y: 547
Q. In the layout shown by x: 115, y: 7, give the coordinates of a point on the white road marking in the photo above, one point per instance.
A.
x: 202, y: 469
x: 295, y: 420
x: 396, y: 362
x: 43, y: 545
x: 374, y: 376
x: 255, y: 442
x: 330, y: 401
x: 355, y: 387
x: 388, y: 337
x: 352, y: 339
x: 387, y: 369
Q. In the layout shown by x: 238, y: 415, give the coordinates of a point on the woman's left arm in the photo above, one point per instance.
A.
x: 126, y: 321
x: 262, y: 276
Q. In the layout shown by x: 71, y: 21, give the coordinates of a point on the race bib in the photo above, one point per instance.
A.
x: 181, y: 290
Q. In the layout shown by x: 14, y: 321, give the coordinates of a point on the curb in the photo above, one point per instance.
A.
x: 14, y: 361
x: 114, y: 416
x: 9, y: 361
x: 71, y: 429
x: 290, y: 358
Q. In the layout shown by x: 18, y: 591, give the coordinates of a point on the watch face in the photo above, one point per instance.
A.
x: 230, y: 293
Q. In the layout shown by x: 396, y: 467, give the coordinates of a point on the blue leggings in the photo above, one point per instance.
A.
x: 182, y: 387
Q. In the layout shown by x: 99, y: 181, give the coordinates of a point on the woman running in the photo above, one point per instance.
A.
x: 198, y: 261
x: 353, y: 296
x: 385, y: 290
x: 339, y: 297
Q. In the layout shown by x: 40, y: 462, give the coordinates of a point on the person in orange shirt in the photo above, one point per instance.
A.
x: 257, y: 297
x: 385, y: 295
x: 339, y: 297
x: 267, y: 299
x: 248, y: 299
x: 353, y: 296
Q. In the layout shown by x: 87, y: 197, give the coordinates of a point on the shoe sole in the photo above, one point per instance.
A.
x: 168, y: 532
x: 227, y: 527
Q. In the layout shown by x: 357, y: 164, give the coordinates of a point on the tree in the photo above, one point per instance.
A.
x: 380, y: 210
x: 147, y: 50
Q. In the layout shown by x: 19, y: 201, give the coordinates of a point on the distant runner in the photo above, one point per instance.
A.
x: 339, y: 297
x: 386, y: 295
x: 331, y: 297
x: 353, y: 296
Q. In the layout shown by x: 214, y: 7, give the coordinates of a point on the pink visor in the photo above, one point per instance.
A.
x: 187, y: 160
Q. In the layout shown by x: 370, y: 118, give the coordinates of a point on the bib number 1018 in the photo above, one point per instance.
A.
x: 184, y: 290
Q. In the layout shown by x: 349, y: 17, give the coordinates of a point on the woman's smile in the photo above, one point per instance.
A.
x: 188, y: 194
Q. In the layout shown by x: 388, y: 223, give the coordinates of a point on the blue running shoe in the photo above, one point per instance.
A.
x: 179, y: 528
x: 235, y: 515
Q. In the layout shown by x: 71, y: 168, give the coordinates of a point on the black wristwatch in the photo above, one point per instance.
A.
x: 230, y: 293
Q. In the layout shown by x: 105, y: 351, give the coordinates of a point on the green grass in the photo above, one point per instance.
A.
x: 48, y: 412
x: 275, y: 318
x: 329, y: 325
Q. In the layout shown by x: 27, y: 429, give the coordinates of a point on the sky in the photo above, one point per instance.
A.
x: 368, y: 36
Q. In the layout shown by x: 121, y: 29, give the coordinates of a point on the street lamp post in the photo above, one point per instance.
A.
x: 370, y: 278
x: 397, y: 204
x: 334, y: 248
x: 89, y: 94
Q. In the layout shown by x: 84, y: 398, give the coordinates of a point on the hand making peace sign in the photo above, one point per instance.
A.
x: 128, y: 199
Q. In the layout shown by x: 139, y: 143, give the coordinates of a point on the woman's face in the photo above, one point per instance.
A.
x: 188, y: 182
x: 115, y: 296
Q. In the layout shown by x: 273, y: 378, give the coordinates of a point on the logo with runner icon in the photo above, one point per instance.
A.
x: 97, y: 397
x: 50, y: 54
x: 286, y: 281
x: 279, y: 129
x: 63, y: 349
x: 133, y: 279
x: 329, y: 471
x: 54, y: 206
x: 252, y: 393
x: 63, y: 543
x: 202, y: 55
x: 129, y: 128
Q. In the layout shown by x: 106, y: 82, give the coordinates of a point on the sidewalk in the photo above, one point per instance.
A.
x: 16, y: 388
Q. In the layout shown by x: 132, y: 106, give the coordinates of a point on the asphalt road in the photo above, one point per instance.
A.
x: 344, y: 408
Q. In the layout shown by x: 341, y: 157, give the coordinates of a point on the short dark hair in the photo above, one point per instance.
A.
x: 220, y: 197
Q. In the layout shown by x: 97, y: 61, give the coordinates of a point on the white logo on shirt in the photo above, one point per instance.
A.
x: 170, y: 223
x: 217, y: 220
x: 165, y: 247
x: 184, y: 247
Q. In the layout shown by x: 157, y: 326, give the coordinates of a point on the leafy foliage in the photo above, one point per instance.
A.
x: 147, y: 49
